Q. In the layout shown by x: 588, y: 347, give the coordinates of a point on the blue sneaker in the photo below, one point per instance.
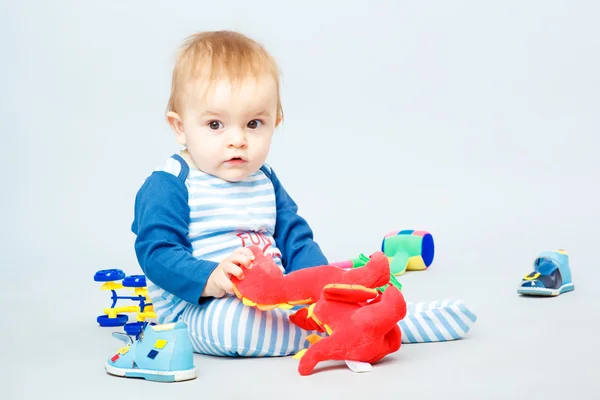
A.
x: 159, y: 353
x: 551, y: 275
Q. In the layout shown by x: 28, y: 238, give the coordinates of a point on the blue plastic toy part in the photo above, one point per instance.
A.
x: 135, y: 281
x: 134, y: 328
x: 107, y: 275
x: 105, y: 320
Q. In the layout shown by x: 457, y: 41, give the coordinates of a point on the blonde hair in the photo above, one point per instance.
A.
x: 209, y: 55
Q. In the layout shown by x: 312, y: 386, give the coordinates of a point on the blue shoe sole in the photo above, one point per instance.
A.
x: 567, y: 287
x: 157, y: 376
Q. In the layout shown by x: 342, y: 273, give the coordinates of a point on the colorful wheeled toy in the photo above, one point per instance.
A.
x: 116, y: 316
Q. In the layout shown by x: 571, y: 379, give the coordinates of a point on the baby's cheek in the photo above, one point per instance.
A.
x: 260, y: 146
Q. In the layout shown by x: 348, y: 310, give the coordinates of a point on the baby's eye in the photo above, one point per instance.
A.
x: 255, y: 123
x: 214, y: 125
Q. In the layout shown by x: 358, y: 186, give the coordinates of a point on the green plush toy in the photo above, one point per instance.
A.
x: 408, y: 250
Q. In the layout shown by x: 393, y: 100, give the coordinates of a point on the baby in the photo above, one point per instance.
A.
x: 196, y: 215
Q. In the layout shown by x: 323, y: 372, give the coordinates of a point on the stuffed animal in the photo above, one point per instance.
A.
x: 357, y: 308
x: 266, y: 287
x: 408, y: 250
x: 359, y: 329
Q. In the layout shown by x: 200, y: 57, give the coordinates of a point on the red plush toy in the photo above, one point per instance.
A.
x: 361, y: 322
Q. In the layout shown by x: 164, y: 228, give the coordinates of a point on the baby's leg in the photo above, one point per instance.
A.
x: 436, y: 321
x: 226, y: 327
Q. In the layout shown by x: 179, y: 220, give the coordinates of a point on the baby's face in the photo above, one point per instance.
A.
x: 228, y: 131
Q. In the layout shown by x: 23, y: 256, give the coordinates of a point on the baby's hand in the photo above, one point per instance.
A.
x: 219, y: 281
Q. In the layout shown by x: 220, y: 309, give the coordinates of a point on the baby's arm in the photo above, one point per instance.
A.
x: 162, y: 246
x: 293, y: 235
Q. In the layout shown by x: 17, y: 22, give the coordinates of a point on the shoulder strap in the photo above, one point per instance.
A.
x: 268, y: 171
x: 184, y: 168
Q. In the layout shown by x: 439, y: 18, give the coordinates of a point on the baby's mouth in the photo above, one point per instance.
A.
x: 236, y: 160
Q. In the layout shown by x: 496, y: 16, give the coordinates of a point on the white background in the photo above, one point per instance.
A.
x: 477, y: 121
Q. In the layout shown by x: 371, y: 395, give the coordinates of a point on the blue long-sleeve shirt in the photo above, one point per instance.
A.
x: 186, y: 221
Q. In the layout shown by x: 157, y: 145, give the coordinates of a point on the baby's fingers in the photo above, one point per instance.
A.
x: 244, y: 257
x: 240, y: 259
x: 246, y: 251
x: 231, y: 269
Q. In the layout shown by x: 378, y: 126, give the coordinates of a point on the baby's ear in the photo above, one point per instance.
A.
x: 278, y: 120
x: 176, y: 123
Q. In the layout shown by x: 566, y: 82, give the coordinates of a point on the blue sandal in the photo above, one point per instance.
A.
x: 551, y: 275
x: 161, y: 353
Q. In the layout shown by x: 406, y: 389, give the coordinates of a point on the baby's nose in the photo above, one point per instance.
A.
x: 237, y: 138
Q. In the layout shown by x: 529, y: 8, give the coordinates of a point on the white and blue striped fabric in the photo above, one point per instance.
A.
x: 224, y: 216
x: 436, y: 321
x: 225, y: 327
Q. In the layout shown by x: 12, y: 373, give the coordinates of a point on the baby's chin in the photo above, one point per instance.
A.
x: 233, y: 175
